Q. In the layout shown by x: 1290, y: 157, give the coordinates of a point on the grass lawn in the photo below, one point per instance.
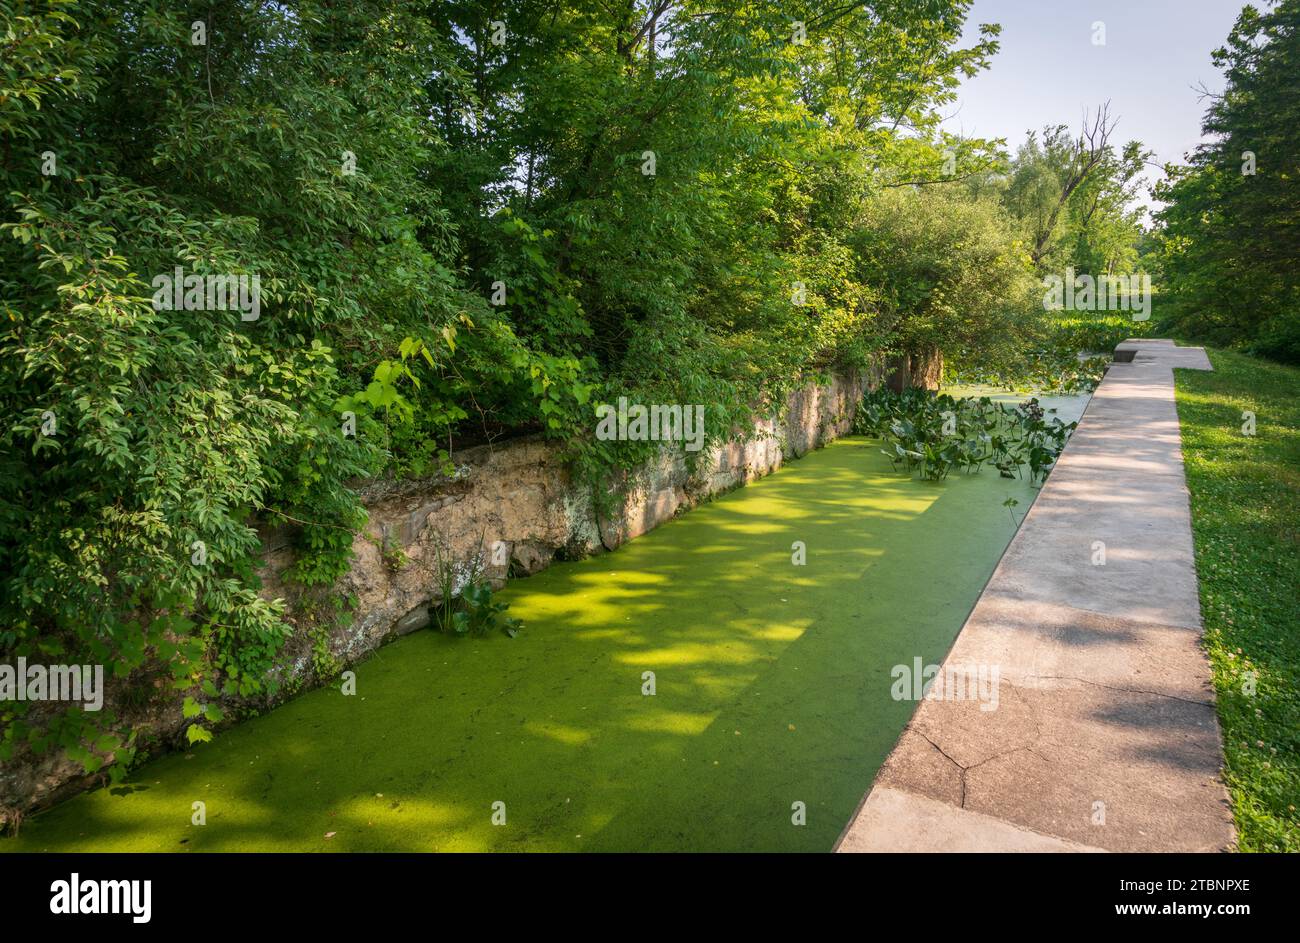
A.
x: 1246, y: 520
x: 772, y: 687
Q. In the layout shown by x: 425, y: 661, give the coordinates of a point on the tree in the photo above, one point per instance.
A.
x: 953, y: 278
x: 1046, y: 175
x: 1229, y: 246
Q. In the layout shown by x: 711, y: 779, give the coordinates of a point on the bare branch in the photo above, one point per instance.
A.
x: 1089, y: 151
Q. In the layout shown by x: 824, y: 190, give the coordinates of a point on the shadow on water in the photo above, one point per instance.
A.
x: 772, y: 686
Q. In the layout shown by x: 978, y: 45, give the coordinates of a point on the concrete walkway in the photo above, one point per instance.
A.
x: 1104, y: 736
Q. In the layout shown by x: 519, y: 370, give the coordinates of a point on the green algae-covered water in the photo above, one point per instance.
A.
x: 772, y: 687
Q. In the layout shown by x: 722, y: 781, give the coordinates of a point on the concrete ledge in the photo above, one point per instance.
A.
x: 894, y: 821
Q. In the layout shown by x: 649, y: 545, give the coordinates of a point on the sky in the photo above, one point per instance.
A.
x: 1155, y: 58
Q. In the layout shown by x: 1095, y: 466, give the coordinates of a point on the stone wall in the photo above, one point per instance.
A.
x: 511, y: 509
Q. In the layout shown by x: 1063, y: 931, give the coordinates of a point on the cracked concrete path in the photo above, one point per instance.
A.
x: 1104, y: 734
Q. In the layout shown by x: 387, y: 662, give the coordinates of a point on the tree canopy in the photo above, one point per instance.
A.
x: 1229, y: 245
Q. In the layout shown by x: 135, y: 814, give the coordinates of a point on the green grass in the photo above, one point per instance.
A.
x: 1245, y: 495
x: 773, y: 686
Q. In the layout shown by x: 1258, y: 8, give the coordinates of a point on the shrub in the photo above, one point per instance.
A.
x: 933, y: 434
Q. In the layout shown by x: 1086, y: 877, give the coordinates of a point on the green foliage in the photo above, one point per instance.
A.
x: 175, y: 430
x: 1074, y: 198
x: 1230, y: 245
x: 948, y: 272
x: 1056, y: 352
x: 480, y: 615
x: 1096, y: 332
x: 1245, y: 501
x: 677, y: 286
x: 933, y: 435
x: 450, y: 575
x: 464, y: 605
